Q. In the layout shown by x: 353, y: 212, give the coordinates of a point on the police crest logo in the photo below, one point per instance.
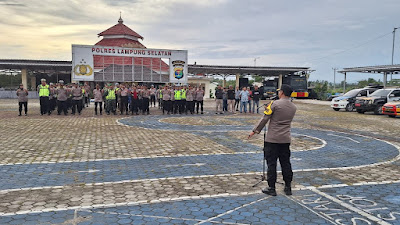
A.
x: 83, y: 69
x: 178, y: 68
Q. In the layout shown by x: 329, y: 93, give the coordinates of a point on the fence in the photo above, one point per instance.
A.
x: 12, y: 94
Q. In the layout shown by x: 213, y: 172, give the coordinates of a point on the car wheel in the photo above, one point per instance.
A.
x: 336, y: 109
x: 350, y: 107
x: 360, y: 111
x: 378, y: 110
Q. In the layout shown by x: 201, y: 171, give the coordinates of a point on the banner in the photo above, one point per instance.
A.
x: 83, y: 63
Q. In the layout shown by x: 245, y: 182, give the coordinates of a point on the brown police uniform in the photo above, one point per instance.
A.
x: 277, y: 139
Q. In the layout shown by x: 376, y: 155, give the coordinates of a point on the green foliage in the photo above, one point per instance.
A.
x: 321, y: 88
x: 363, y: 83
x: 10, y: 81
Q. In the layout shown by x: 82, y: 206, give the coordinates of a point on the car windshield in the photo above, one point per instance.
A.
x: 380, y: 93
x: 352, y: 93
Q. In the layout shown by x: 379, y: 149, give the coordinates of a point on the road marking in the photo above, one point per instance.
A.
x: 351, y: 139
x: 313, y: 211
x: 350, y: 207
x: 143, y: 202
x: 354, y: 184
x: 181, y: 165
x: 65, y: 172
x: 232, y: 210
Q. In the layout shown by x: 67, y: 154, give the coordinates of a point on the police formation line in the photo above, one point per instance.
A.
x: 127, y: 100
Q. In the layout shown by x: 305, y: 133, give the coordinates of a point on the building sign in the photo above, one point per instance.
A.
x: 102, y: 63
x: 82, y: 65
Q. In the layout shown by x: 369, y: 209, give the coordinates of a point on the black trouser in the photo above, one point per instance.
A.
x: 145, y: 105
x: 123, y: 107
x: 160, y: 103
x: 44, y: 105
x: 176, y: 104
x: 199, y: 103
x: 135, y: 105
x: 237, y: 103
x: 273, y: 152
x: 182, y: 107
x: 76, y: 104
x: 52, y: 104
x: 100, y: 107
x: 153, y: 100
x: 25, y: 104
x: 190, y: 106
x: 167, y: 105
x: 62, y: 106
x: 69, y: 103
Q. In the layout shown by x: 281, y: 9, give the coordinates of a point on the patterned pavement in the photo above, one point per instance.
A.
x: 196, y: 169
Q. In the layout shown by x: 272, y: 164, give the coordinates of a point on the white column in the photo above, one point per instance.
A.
x: 384, y: 79
x: 24, y: 73
x: 237, y: 79
x: 280, y: 81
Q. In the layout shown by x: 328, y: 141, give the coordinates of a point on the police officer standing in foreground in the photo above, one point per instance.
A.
x: 280, y: 114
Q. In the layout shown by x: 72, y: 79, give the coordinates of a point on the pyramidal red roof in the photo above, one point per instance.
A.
x: 120, y: 29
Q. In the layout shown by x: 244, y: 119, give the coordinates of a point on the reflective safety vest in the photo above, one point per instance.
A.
x: 44, y: 91
x: 178, y: 95
x: 183, y: 94
x: 160, y: 94
x: 110, y: 95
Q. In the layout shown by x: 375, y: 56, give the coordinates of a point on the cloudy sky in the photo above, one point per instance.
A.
x: 321, y: 34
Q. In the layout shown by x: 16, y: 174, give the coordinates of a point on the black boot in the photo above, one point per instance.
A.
x: 269, y: 191
x: 288, y: 190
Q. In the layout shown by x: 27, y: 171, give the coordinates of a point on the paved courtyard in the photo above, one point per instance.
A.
x: 194, y: 169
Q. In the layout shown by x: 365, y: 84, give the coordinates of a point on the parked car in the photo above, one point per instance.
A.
x: 392, y: 109
x: 376, y: 100
x: 347, y: 100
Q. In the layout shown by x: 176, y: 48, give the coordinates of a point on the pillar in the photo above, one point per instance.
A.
x: 344, y: 83
x: 24, y: 73
x: 384, y: 79
x: 280, y: 80
x: 207, y: 90
x: 237, y: 79
x: 224, y: 82
x: 33, y: 83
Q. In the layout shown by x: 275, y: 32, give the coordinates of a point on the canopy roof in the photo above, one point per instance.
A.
x: 373, y: 69
x: 254, y: 70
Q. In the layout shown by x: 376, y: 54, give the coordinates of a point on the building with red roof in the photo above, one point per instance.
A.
x: 127, y: 69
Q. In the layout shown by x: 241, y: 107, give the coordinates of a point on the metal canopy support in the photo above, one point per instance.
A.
x: 344, y: 83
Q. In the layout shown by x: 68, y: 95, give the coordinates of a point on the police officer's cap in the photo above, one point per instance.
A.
x: 42, y: 80
x: 286, y: 89
x: 61, y: 81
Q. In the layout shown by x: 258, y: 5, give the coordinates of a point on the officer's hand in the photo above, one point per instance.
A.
x: 250, y: 135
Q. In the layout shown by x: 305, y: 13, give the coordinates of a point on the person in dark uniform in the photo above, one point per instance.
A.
x: 280, y: 114
x: 77, y: 93
x: 44, y: 94
x: 62, y: 96
x: 22, y: 94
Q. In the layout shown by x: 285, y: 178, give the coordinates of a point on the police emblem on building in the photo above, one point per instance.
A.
x: 178, y: 68
x: 83, y: 69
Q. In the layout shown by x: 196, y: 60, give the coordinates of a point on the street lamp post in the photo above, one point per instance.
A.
x: 394, y: 36
x: 334, y: 78
x: 255, y: 60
